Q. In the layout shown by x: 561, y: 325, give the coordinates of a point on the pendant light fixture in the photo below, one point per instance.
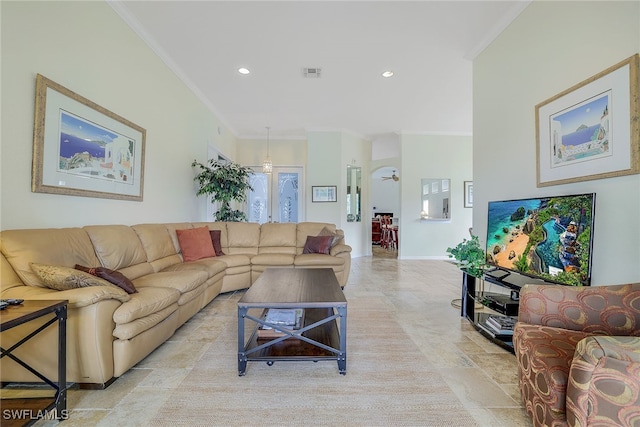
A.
x: 267, y: 165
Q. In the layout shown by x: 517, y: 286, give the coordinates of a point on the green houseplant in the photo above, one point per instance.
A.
x: 470, y: 256
x: 225, y: 182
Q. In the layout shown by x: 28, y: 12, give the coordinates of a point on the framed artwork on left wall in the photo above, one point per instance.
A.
x: 83, y: 149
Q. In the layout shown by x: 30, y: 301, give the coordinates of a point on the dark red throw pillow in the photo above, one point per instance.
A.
x: 215, y: 239
x: 317, y: 245
x: 111, y: 276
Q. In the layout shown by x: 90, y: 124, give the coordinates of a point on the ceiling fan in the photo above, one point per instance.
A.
x: 393, y: 177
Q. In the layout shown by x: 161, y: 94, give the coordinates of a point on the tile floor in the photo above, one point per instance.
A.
x: 481, y: 374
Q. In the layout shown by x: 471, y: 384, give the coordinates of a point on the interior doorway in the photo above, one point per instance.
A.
x: 385, y: 202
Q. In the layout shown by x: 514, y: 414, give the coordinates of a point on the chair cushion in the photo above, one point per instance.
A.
x: 544, y: 358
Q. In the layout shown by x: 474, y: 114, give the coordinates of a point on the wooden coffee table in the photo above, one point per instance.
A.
x: 323, y: 335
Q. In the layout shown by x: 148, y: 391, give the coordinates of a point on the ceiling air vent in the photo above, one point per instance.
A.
x: 311, y: 73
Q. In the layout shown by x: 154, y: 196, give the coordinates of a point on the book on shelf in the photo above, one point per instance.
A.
x: 502, y: 325
x: 289, y: 318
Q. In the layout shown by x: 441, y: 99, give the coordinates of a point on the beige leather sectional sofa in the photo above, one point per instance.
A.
x: 109, y: 330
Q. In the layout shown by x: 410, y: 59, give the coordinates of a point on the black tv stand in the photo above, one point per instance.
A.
x: 497, y: 273
x: 493, y: 303
x: 511, y: 279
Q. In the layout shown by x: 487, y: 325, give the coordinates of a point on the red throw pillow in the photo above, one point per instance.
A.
x: 317, y: 245
x: 336, y: 237
x: 195, y: 243
x: 215, y: 239
x: 111, y: 276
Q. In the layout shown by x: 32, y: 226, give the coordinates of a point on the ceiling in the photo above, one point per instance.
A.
x: 429, y: 46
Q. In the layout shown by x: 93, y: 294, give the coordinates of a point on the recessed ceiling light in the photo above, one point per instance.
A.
x: 243, y: 70
x: 387, y: 74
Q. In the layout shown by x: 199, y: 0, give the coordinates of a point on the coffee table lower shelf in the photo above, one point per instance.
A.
x: 318, y: 340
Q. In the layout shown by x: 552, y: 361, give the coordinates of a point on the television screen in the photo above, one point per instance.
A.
x: 548, y: 237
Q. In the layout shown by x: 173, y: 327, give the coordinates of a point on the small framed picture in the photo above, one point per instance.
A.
x: 324, y: 193
x: 468, y: 194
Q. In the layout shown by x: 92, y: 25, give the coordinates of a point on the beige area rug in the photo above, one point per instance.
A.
x: 388, y: 382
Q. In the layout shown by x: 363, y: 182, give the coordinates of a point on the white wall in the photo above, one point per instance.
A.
x: 433, y: 156
x: 285, y: 152
x: 88, y: 48
x: 550, y: 47
x: 385, y: 194
x: 357, y: 152
x: 329, y: 153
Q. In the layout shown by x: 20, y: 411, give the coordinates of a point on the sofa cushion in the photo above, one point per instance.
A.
x: 235, y: 260
x: 195, y: 243
x: 320, y: 260
x: 244, y: 238
x: 305, y: 229
x: 146, y: 301
x: 278, y: 238
x: 156, y: 240
x: 65, y: 278
x: 111, y: 276
x: 126, y: 331
x: 273, y: 259
x: 317, y: 245
x: 182, y: 281
x: 52, y: 246
x: 212, y: 266
x: 117, y: 247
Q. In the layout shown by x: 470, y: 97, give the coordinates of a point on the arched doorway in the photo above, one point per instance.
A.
x: 385, y: 201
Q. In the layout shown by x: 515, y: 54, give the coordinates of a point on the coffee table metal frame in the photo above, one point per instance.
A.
x: 318, y: 312
x: 30, y: 310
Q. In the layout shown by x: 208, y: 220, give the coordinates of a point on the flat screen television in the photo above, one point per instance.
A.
x: 550, y: 238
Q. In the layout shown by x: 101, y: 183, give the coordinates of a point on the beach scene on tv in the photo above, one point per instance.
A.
x: 546, y: 237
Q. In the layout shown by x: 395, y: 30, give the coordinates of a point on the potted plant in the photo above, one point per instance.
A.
x: 225, y: 182
x: 471, y: 258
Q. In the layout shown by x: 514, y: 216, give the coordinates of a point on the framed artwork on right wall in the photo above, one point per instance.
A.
x: 591, y: 130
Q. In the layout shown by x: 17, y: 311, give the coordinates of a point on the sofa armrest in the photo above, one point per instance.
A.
x: 340, y: 249
x: 80, y: 297
x: 600, y: 310
x: 604, y: 381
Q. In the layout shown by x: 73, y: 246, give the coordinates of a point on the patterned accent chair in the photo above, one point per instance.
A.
x: 578, y: 354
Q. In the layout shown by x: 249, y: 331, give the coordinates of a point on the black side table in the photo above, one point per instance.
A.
x: 16, y: 315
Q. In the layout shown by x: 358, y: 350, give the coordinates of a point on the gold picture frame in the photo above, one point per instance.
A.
x: 591, y: 130
x: 83, y: 149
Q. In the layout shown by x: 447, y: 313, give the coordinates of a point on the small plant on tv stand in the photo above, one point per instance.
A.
x: 470, y: 257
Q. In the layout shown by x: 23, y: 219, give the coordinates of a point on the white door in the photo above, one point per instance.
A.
x: 277, y: 197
